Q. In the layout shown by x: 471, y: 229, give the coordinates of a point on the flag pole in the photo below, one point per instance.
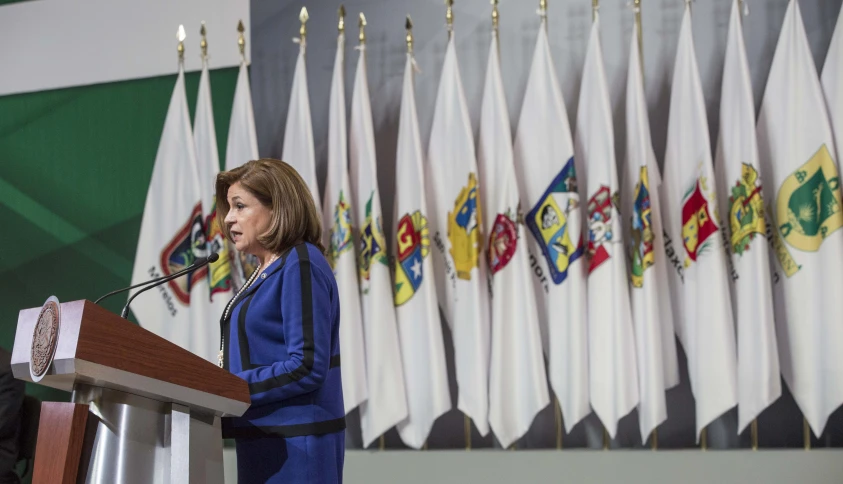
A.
x: 467, y: 422
x: 558, y: 414
x: 595, y: 5
x: 495, y: 17
x: 341, y: 21
x: 654, y: 439
x: 181, y: 36
x: 636, y: 6
x: 605, y: 438
x: 408, y: 24
x: 754, y: 431
x: 449, y: 17
x: 361, y: 23
x: 543, y: 13
x: 303, y: 17
x: 704, y: 439
x: 241, y: 40
x: 806, y: 431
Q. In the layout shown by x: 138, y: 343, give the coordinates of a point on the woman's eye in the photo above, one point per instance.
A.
x: 239, y: 206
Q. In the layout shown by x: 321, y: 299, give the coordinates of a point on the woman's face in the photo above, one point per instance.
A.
x: 246, y: 220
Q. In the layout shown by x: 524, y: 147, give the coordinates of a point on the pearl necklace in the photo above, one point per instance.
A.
x: 252, y: 278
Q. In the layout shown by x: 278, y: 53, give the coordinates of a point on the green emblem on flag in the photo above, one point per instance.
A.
x: 808, y: 203
x: 372, y: 243
x: 746, y: 210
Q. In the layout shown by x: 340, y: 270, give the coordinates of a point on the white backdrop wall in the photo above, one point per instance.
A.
x: 275, y: 23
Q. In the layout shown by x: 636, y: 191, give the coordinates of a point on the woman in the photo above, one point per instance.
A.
x: 280, y: 333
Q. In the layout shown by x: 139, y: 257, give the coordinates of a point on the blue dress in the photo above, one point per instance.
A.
x: 282, y: 336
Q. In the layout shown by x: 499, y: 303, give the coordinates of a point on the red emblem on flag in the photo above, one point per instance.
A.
x: 502, y: 242
x: 697, y: 224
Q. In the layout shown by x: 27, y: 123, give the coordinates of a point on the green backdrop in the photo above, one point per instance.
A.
x: 75, y: 166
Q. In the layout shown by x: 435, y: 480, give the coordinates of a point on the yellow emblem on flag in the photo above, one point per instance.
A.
x: 464, y: 230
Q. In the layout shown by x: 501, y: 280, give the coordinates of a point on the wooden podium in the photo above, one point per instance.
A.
x: 143, y: 410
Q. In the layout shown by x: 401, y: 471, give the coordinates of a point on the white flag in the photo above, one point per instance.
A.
x: 456, y: 224
x: 298, y: 134
x: 795, y: 148
x: 517, y: 378
x: 337, y: 219
x: 208, y: 306
x: 832, y: 82
x: 417, y: 312
x: 742, y: 209
x: 170, y: 230
x: 652, y: 314
x: 544, y: 161
x: 707, y: 330
x: 387, y: 403
x: 242, y: 146
x: 613, y: 377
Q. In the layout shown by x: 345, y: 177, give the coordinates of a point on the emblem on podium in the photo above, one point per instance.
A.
x: 44, y: 339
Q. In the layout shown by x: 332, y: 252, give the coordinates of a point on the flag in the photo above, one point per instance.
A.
x: 216, y: 288
x: 242, y: 146
x: 456, y: 223
x: 613, y: 376
x: 298, y: 134
x: 796, y: 151
x: 337, y: 218
x: 517, y: 378
x: 706, y: 329
x: 172, y: 230
x: 416, y: 308
x: 544, y: 162
x: 652, y: 314
x: 745, y: 227
x: 832, y: 83
x: 387, y: 403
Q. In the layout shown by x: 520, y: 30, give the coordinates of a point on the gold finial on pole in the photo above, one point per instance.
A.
x: 303, y: 17
x: 181, y: 36
x: 543, y: 11
x: 449, y: 17
x: 754, y: 431
x: 467, y: 432
x: 495, y: 16
x: 241, y: 40
x: 654, y: 439
x: 606, y: 438
x: 704, y: 439
x: 361, y: 22
x: 637, y: 12
x: 595, y: 6
x: 409, y: 38
x: 203, y: 44
x: 341, y: 14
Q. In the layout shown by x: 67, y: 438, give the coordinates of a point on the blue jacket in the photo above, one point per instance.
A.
x: 282, y: 337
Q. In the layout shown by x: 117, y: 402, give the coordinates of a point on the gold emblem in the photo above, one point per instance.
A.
x: 44, y: 339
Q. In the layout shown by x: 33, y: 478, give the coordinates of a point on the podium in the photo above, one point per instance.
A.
x: 142, y: 410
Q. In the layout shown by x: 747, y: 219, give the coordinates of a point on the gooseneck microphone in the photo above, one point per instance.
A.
x: 198, y: 263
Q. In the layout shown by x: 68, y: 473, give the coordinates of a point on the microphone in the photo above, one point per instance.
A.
x: 200, y: 262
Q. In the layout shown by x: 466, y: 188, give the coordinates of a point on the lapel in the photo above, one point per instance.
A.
x: 279, y: 264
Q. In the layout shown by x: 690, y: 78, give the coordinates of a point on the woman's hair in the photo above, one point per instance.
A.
x: 279, y: 187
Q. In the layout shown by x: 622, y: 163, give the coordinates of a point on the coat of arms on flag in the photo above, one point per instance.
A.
x: 642, y: 230
x: 746, y: 210
x: 187, y: 244
x: 697, y: 222
x: 600, y: 225
x: 340, y: 230
x: 554, y: 222
x: 372, y: 243
x: 464, y: 231
x: 413, y: 236
x: 220, y: 273
x: 808, y: 203
x: 503, y: 239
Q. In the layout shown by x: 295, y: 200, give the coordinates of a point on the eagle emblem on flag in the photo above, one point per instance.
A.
x: 464, y: 229
x: 185, y: 246
x: 746, y: 210
x: 340, y: 230
x: 555, y: 223
x: 697, y: 222
x: 503, y: 239
x: 372, y: 242
x: 413, y: 236
x: 808, y: 203
x: 641, y: 247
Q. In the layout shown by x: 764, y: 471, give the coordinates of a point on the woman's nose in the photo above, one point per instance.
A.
x: 229, y: 217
